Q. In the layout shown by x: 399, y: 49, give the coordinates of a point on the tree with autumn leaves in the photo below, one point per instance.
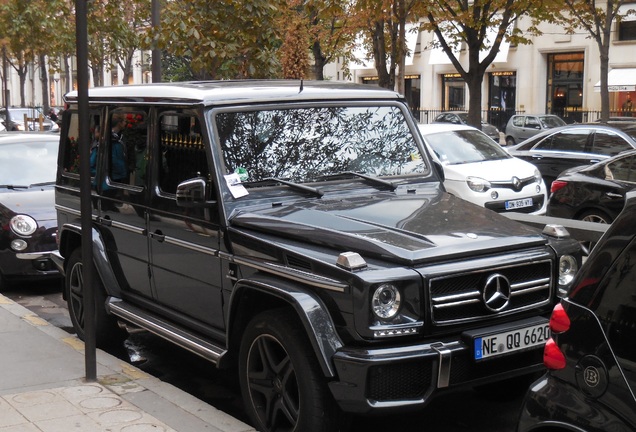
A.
x: 283, y: 39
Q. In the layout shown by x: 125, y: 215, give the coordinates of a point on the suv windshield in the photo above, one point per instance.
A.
x: 309, y: 144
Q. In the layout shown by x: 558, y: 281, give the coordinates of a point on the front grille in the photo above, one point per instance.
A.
x: 399, y: 381
x: 459, y: 297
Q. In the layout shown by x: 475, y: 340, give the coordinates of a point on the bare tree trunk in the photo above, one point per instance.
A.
x: 319, y: 61
x: 44, y: 83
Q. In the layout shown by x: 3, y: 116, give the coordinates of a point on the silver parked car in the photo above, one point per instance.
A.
x: 461, y: 118
x: 523, y: 126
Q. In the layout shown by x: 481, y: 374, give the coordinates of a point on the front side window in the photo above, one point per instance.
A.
x: 305, y: 144
x: 532, y: 123
x: 182, y: 153
x: 573, y: 141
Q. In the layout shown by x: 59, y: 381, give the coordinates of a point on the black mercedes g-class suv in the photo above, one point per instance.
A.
x: 301, y: 233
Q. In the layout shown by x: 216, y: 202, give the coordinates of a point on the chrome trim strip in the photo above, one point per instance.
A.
x: 521, y: 285
x: 125, y: 227
x: 165, y: 330
x: 444, y: 366
x: 467, y: 295
x: 33, y: 255
x: 295, y: 274
x: 531, y: 289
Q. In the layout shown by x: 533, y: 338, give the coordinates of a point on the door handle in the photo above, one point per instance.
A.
x: 158, y: 235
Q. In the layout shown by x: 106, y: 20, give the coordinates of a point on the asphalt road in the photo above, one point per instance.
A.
x: 457, y: 412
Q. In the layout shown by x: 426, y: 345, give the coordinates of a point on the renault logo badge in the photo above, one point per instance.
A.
x: 516, y: 183
x: 496, y: 292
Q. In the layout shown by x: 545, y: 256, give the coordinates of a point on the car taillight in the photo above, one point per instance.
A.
x: 553, y: 357
x: 557, y: 184
x: 559, y: 320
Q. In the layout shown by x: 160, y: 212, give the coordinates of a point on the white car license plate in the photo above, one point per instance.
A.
x: 515, y: 340
x: 520, y: 203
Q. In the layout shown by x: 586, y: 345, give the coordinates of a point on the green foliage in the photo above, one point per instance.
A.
x: 224, y: 38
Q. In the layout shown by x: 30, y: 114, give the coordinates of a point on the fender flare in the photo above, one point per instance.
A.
x: 100, y: 259
x: 310, y: 309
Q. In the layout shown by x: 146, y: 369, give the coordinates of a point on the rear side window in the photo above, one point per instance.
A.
x: 622, y: 169
x: 532, y: 123
x: 70, y: 146
x: 609, y: 143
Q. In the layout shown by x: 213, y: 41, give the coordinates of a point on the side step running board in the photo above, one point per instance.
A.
x: 163, y: 329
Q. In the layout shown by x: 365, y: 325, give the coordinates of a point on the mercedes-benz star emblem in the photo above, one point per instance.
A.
x: 516, y: 183
x: 496, y: 292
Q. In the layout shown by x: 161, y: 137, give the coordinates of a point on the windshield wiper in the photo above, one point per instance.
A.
x: 349, y: 174
x: 297, y: 186
x: 11, y: 186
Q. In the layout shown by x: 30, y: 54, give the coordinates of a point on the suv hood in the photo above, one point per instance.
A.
x: 405, y: 229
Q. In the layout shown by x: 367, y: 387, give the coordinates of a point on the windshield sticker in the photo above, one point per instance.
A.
x: 234, y: 183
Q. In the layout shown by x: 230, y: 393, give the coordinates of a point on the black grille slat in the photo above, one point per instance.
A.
x: 457, y: 298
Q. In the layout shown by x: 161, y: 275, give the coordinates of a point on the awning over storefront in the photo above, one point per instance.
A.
x: 619, y: 80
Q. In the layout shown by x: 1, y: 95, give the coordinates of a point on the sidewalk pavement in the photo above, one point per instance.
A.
x: 43, y: 387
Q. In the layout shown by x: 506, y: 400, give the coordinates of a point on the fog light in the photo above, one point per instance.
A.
x: 538, y: 188
x: 18, y: 245
x: 494, y: 195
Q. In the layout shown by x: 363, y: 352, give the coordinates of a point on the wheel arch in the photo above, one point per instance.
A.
x: 71, y: 239
x: 255, y: 295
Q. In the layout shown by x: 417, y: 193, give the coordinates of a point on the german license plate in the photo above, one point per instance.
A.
x: 520, y: 203
x: 493, y: 345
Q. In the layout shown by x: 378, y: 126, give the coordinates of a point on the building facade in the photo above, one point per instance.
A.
x: 557, y: 73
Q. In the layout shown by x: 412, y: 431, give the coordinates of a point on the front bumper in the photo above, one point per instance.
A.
x: 409, y: 377
x: 28, y: 265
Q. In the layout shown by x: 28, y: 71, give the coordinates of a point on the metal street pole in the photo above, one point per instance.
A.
x: 156, y: 52
x: 81, y: 30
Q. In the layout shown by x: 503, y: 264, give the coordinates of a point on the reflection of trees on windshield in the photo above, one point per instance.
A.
x: 304, y: 144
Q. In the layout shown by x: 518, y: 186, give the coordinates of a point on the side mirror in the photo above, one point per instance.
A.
x: 192, y: 193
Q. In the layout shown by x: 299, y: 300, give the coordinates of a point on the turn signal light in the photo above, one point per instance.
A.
x: 559, y: 320
x: 556, y: 185
x: 553, y: 358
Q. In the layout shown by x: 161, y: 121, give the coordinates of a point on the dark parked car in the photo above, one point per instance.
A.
x: 299, y: 234
x: 523, y: 126
x: 461, y: 118
x: 591, y: 355
x: 27, y: 210
x: 558, y: 149
x: 594, y: 193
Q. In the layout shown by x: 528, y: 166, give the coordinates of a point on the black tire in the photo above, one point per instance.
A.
x: 597, y: 216
x: 281, y: 382
x: 510, y: 141
x: 107, y: 331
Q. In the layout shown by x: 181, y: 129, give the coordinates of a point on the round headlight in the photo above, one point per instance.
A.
x: 23, y: 225
x: 567, y: 269
x: 477, y: 184
x: 386, y: 301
